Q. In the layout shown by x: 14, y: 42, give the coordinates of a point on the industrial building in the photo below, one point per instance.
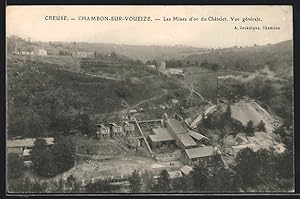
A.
x: 173, y: 133
x: 192, y: 143
x: 199, y: 155
x: 103, y: 132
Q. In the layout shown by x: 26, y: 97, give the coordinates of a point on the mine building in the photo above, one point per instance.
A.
x: 172, y: 133
x: 128, y: 128
x: 116, y: 130
x: 103, y: 132
x: 40, y: 52
x: 19, y: 145
x: 23, y: 147
x: 161, y: 138
x: 180, y: 134
x: 83, y: 54
x: 199, y: 138
x: 198, y: 156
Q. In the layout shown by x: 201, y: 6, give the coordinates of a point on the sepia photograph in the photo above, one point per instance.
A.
x: 157, y: 99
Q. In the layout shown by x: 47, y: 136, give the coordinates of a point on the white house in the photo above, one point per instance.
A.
x: 40, y: 52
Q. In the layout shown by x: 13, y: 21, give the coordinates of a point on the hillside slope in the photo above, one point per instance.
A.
x: 278, y: 57
x: 39, y: 92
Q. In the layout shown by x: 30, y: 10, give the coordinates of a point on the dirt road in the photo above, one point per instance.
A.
x: 133, y: 106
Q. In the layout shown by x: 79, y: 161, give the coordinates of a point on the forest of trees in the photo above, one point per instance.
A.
x: 260, y: 171
x: 48, y: 161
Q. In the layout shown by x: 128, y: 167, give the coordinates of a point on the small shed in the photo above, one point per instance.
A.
x: 186, y: 170
x: 174, y: 101
x: 174, y: 174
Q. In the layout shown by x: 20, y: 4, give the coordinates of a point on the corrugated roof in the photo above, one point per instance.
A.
x: 176, y: 126
x: 174, y: 174
x: 161, y: 134
x: 200, y: 152
x: 186, y: 140
x: 186, y: 169
x: 28, y: 142
x: 196, y: 135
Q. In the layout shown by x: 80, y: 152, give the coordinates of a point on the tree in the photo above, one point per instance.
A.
x: 237, y: 125
x: 123, y: 91
x: 84, y: 123
x: 37, y: 187
x: 214, y: 67
x: 63, y: 153
x: 15, y: 165
x: 113, y: 55
x: 285, y: 166
x: 163, y: 182
x: 101, y: 186
x: 49, y: 162
x: 250, y: 128
x: 200, y: 178
x: 247, y: 168
x: 228, y: 113
x: 39, y: 154
x: 148, y: 180
x: 261, y: 126
x: 221, y: 181
x: 186, y: 183
x: 61, y: 123
x: 135, y: 182
x: 204, y: 64
x: 71, y: 183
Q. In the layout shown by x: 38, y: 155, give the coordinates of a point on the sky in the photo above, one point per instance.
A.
x: 29, y: 22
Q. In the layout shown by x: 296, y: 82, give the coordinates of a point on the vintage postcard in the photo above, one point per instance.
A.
x: 149, y: 99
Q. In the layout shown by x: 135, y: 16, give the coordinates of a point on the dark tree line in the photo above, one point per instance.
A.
x: 48, y: 161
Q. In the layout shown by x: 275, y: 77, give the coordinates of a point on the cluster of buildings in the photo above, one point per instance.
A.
x: 39, y: 52
x: 23, y: 147
x: 194, y: 145
x: 114, y: 130
x: 167, y: 71
x: 160, y: 67
x: 83, y: 54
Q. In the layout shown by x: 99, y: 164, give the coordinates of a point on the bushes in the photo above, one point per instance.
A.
x: 101, y: 187
x: 123, y: 91
x: 48, y: 162
x: 15, y: 166
x: 36, y: 186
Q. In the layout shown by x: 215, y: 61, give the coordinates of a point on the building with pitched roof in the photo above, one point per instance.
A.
x: 173, y: 133
x: 161, y: 137
x: 116, y: 130
x: 186, y: 170
x: 19, y: 145
x: 128, y: 128
x: 23, y: 147
x: 103, y: 132
x: 199, y: 138
x: 174, y: 174
x: 196, y: 156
